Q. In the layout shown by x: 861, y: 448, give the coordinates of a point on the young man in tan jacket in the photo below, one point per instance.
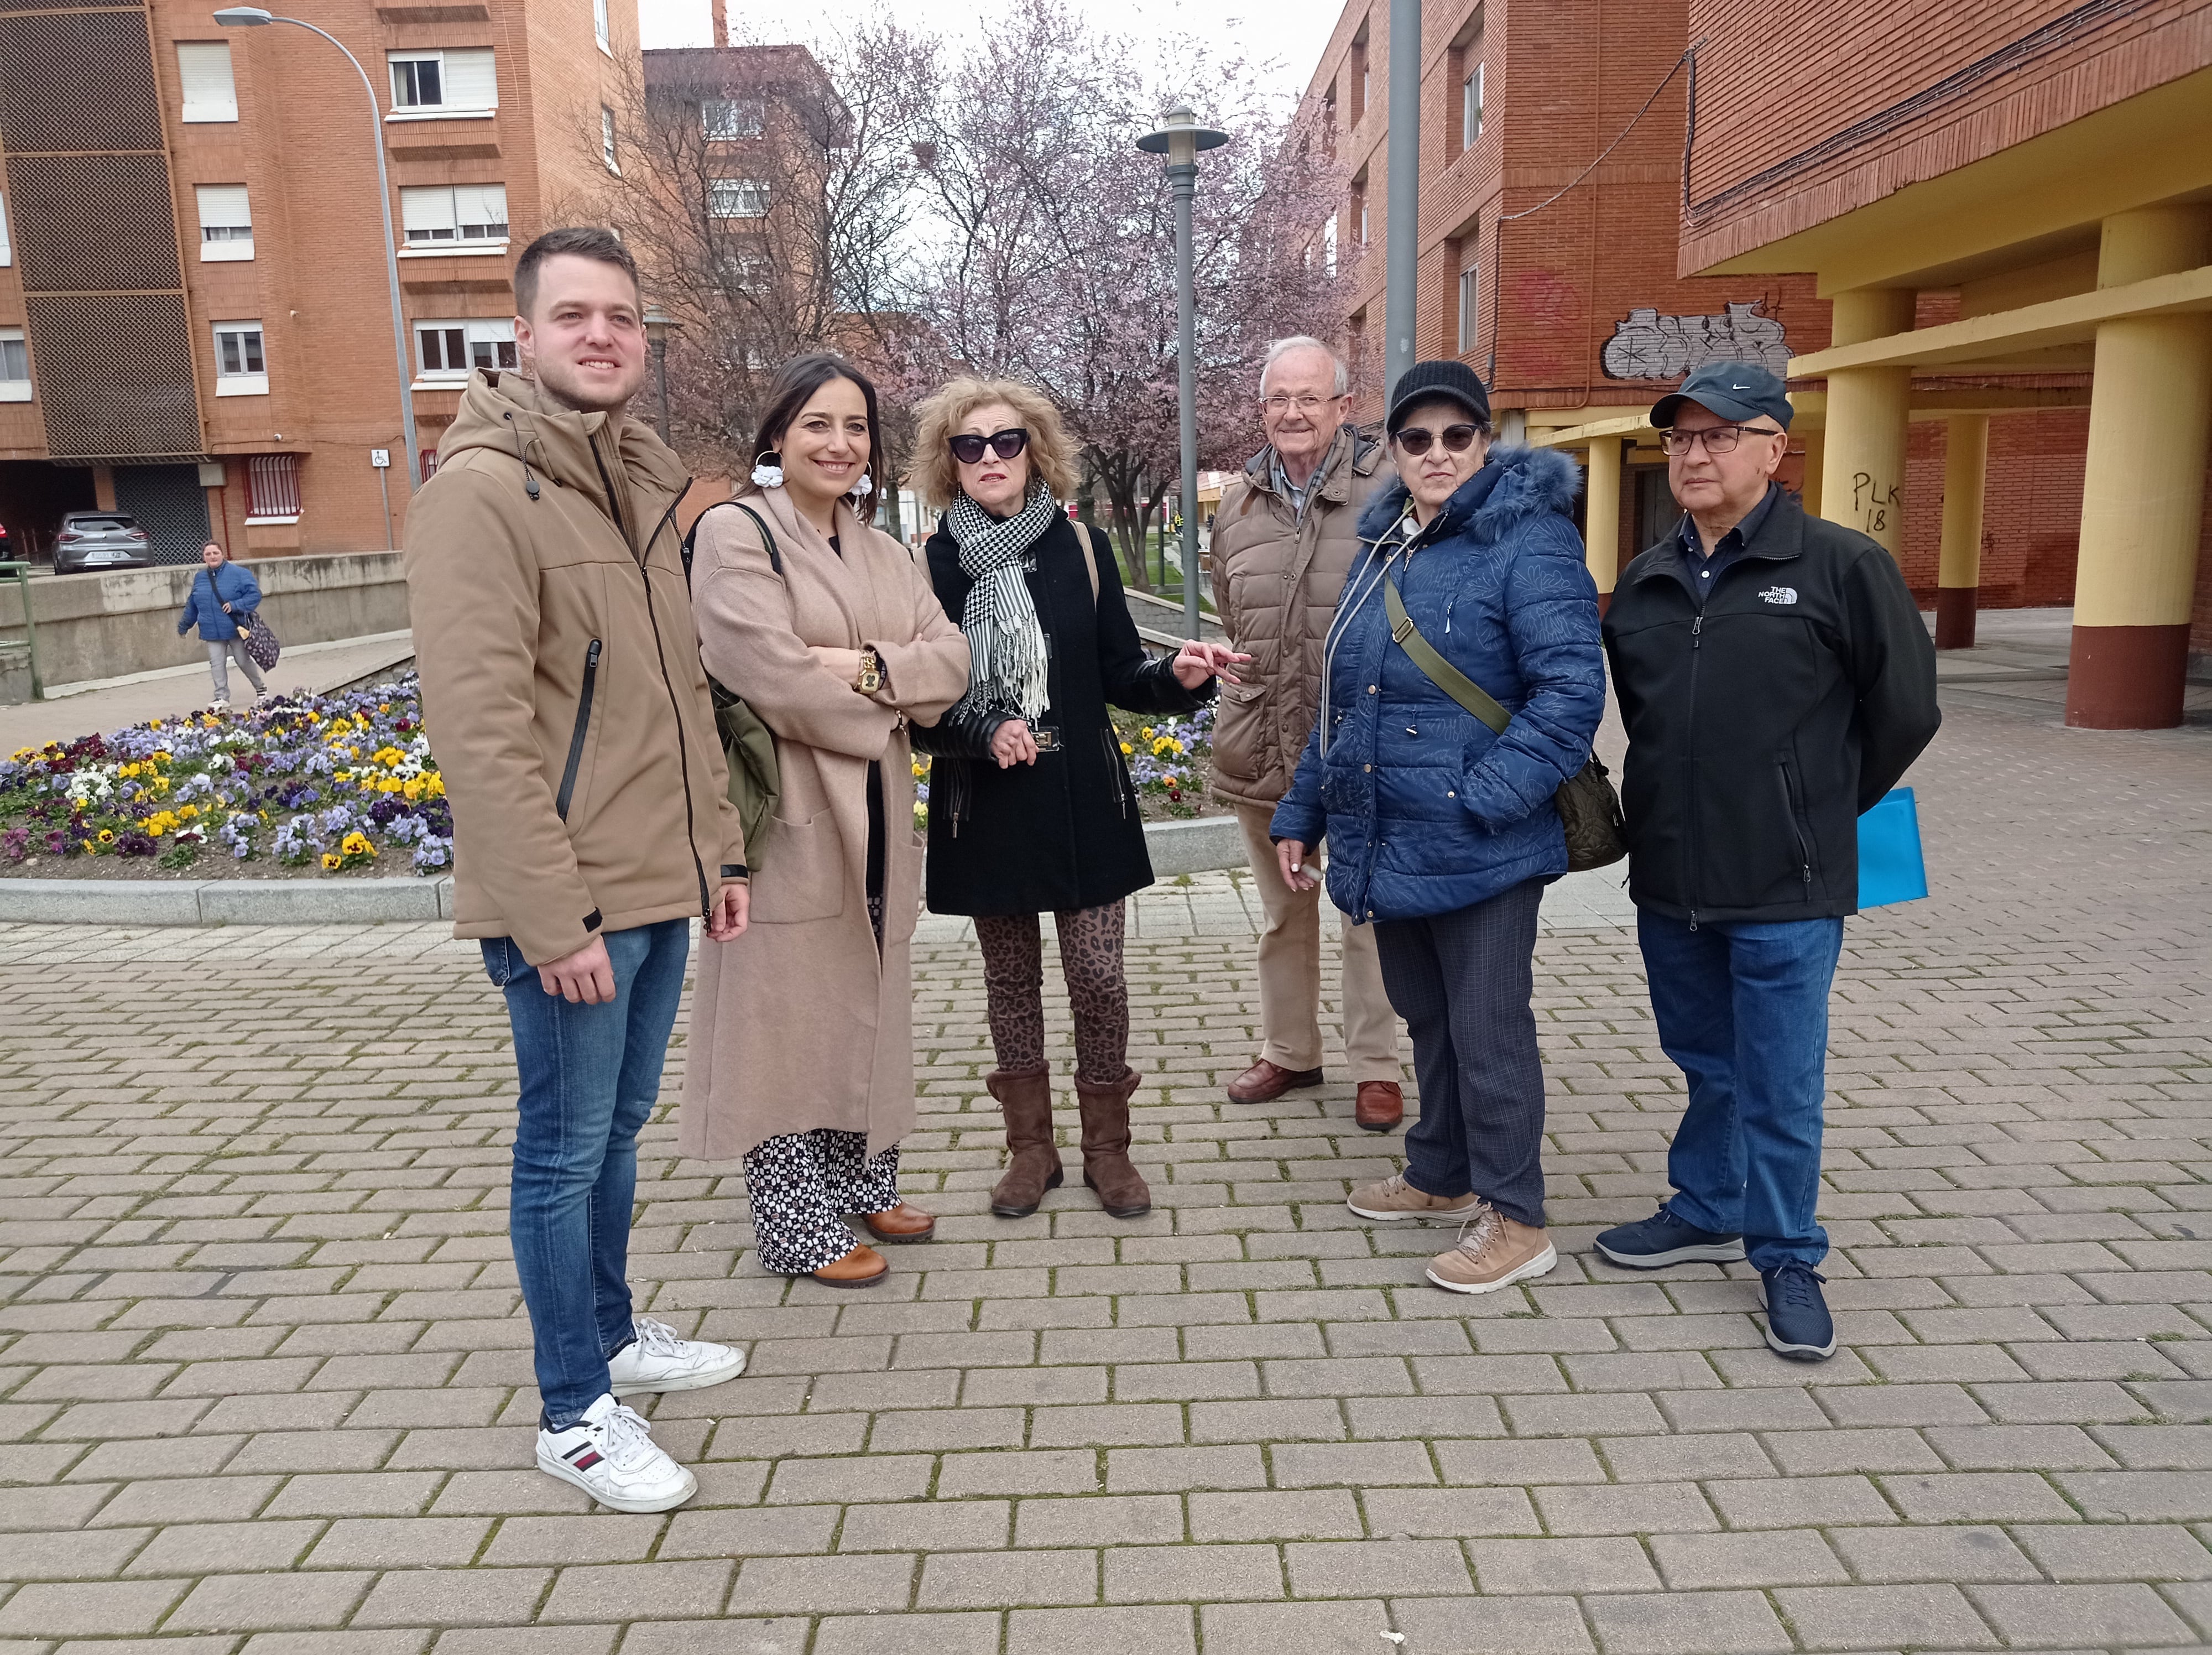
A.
x: 562, y: 691
x: 1283, y: 538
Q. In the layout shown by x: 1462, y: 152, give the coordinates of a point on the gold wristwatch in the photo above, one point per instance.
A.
x: 871, y: 678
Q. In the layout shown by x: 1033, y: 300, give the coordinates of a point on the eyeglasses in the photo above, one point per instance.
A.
x: 1718, y: 438
x: 1415, y: 439
x: 968, y: 449
x: 1282, y: 402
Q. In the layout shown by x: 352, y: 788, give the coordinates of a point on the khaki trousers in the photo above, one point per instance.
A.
x: 1289, y: 970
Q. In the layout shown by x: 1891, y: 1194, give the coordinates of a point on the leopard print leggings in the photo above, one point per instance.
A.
x: 1098, y: 988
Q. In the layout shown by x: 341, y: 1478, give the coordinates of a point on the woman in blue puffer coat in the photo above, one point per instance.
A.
x: 222, y: 594
x: 1441, y: 833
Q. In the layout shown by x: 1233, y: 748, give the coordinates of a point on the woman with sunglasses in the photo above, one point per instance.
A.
x: 802, y: 1030
x: 1441, y: 834
x: 1030, y: 808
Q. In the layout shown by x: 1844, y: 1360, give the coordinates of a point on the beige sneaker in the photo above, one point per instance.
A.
x: 1393, y: 1198
x: 1493, y: 1252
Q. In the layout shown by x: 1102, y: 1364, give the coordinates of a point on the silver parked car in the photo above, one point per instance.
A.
x: 101, y: 540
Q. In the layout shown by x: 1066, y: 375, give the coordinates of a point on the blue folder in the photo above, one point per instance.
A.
x: 1890, y: 865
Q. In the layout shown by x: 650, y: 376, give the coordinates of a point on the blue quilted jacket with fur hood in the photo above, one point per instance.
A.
x: 1424, y: 809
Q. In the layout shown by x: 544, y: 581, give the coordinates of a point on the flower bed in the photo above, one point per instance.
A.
x: 305, y: 785
x: 1171, y: 762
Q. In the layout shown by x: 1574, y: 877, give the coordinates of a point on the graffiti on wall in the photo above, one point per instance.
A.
x: 1646, y: 345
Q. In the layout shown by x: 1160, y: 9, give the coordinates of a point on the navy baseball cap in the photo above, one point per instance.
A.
x: 1735, y: 391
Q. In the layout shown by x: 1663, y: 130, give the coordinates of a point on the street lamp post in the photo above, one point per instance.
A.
x: 658, y: 325
x: 255, y: 17
x: 1180, y: 138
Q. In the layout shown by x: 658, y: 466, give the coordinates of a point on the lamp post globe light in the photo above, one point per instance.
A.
x: 658, y: 325
x: 1180, y: 137
x: 255, y: 17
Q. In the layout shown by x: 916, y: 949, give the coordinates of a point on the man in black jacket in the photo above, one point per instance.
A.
x: 1775, y: 680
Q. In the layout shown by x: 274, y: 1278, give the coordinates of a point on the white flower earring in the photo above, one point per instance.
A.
x: 767, y: 469
x: 861, y: 487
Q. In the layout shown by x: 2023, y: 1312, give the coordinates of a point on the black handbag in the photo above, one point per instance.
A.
x: 262, y: 645
x: 1590, y: 810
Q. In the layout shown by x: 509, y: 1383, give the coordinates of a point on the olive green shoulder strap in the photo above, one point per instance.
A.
x: 1442, y: 673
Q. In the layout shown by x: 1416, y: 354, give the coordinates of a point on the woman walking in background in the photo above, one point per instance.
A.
x: 1441, y: 834
x: 221, y: 594
x: 1030, y: 806
x: 802, y: 1043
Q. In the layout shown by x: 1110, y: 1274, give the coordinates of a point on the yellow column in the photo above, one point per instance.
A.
x: 1602, y: 517
x: 2142, y: 485
x: 1862, y: 472
x: 1965, y: 470
x: 1816, y: 450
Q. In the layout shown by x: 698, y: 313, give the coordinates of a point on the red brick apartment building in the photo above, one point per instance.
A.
x: 2009, y: 206
x: 195, y: 324
x: 1567, y: 287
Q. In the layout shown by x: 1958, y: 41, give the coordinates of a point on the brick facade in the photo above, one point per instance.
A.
x: 317, y: 281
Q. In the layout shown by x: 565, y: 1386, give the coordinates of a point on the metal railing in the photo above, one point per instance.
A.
x: 23, y: 573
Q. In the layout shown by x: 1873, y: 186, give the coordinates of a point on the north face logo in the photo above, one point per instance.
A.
x: 1780, y: 594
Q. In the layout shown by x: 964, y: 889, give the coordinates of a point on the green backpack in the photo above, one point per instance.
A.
x: 747, y: 743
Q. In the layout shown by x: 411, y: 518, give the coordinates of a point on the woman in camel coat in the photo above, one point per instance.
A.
x: 801, y: 1054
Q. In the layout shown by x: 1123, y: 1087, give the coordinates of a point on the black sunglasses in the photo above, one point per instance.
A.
x: 1005, y: 444
x: 1415, y: 439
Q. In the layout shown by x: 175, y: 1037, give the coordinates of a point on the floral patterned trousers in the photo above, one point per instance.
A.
x: 803, y: 1184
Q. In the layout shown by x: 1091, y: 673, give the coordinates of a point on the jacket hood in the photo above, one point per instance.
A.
x: 1513, y: 484
x: 511, y: 414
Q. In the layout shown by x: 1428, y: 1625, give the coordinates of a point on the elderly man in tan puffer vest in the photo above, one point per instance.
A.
x: 1284, y: 538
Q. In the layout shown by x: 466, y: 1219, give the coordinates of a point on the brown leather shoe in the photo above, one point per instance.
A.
x: 902, y: 1223
x: 1026, y: 1099
x: 1382, y: 1105
x: 1106, y: 1167
x: 1264, y: 1082
x: 861, y: 1267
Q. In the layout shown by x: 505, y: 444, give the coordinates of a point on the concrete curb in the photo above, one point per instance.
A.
x: 1197, y: 846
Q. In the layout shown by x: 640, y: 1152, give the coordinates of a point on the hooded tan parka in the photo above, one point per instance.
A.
x: 561, y: 685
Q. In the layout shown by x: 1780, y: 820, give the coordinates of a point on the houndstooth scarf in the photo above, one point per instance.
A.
x: 1000, y: 618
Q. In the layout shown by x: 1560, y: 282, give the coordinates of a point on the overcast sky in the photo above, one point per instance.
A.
x: 1289, y: 32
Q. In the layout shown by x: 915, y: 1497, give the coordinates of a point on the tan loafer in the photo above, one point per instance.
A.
x: 861, y: 1267
x: 1264, y: 1082
x: 902, y: 1223
x: 1382, y: 1105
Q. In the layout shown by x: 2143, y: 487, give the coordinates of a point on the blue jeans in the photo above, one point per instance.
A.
x: 590, y: 1077
x: 1743, y: 1012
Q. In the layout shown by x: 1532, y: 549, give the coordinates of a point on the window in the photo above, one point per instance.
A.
x: 272, y: 488
x: 15, y: 366
x: 240, y: 369
x: 1464, y: 67
x: 1359, y: 210
x: 607, y: 139
x: 726, y: 118
x: 1328, y: 248
x: 1469, y: 294
x: 7, y: 253
x: 1470, y: 102
x: 226, y: 222
x: 1356, y: 72
x: 455, y: 216
x: 600, y: 26
x: 451, y: 350
x: 459, y: 81
x: 211, y: 94
x: 737, y: 197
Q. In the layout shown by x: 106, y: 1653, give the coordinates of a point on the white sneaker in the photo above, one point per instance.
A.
x: 610, y: 1454
x: 661, y: 1361
x: 220, y: 704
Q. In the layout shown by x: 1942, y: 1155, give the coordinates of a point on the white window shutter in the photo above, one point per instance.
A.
x: 470, y: 82
x: 480, y: 203
x: 224, y: 206
x: 427, y: 208
x: 7, y: 253
x: 211, y: 94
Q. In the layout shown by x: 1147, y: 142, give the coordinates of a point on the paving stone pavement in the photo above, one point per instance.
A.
x: 264, y: 1384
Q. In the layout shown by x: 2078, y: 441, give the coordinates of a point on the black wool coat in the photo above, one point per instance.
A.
x: 1063, y: 833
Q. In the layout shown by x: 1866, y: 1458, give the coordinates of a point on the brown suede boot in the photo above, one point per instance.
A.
x: 1025, y: 1098
x: 1106, y: 1168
